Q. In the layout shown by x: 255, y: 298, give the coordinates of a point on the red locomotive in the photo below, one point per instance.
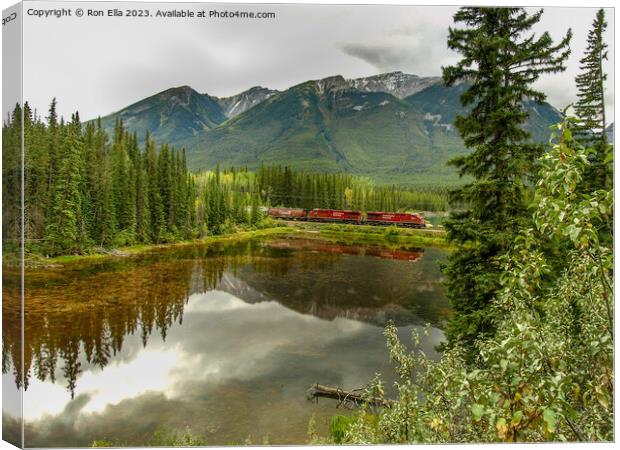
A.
x: 335, y: 215
x: 398, y: 219
x: 393, y: 218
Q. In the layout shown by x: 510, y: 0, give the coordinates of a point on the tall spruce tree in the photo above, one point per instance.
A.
x: 501, y: 58
x: 64, y: 231
x: 590, y: 106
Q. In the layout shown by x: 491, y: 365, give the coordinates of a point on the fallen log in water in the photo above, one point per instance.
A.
x: 354, y: 397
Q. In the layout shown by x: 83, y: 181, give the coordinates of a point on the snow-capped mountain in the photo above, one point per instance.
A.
x: 398, y: 84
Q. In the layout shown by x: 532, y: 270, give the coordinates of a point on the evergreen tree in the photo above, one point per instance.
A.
x: 154, y: 194
x: 123, y: 177
x: 164, y: 178
x: 64, y: 232
x: 11, y: 180
x: 143, y: 214
x: 35, y: 175
x: 108, y: 212
x: 501, y: 59
x: 590, y: 106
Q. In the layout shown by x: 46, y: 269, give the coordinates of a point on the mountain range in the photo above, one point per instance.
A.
x: 393, y: 127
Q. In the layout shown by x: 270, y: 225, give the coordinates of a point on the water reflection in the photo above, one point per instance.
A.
x: 224, y: 339
x: 11, y: 356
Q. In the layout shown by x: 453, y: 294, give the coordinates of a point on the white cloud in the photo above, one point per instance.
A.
x: 99, y: 65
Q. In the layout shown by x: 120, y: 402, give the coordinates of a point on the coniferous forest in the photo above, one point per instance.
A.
x: 84, y: 189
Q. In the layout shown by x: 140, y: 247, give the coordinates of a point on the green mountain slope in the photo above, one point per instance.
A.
x: 170, y: 116
x: 327, y: 126
x: 361, y: 126
x: 442, y: 104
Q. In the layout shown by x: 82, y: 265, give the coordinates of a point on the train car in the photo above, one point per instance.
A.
x: 288, y: 213
x: 393, y: 218
x: 335, y: 215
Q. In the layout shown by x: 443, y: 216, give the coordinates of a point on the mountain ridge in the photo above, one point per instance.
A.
x: 239, y: 103
x: 392, y: 127
x: 162, y: 113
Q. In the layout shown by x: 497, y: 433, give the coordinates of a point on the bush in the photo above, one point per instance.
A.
x: 547, y: 373
x: 391, y: 233
x: 124, y: 238
x: 269, y: 222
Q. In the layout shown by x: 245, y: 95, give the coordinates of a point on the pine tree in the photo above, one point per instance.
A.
x: 156, y: 208
x: 143, y: 214
x: 204, y: 212
x: 190, y: 199
x: 501, y: 59
x: 11, y: 180
x: 108, y: 226
x: 54, y: 159
x: 590, y: 106
x: 35, y: 174
x: 164, y: 178
x: 64, y: 232
x: 123, y: 177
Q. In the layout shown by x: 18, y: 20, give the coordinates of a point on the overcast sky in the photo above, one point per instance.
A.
x: 100, y: 65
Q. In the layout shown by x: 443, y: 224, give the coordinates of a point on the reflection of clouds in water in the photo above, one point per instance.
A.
x: 11, y: 410
x: 205, y: 347
x: 223, y: 342
x: 148, y: 371
x: 11, y: 395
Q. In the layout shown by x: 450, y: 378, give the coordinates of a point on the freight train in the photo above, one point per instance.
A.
x: 406, y: 220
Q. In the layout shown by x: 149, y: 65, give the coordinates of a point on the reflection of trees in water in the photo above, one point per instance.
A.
x: 360, y: 283
x: 11, y: 325
x: 90, y: 316
x: 81, y: 316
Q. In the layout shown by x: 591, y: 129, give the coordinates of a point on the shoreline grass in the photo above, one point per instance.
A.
x: 34, y: 261
x: 422, y: 239
x: 388, y: 236
x: 345, y: 234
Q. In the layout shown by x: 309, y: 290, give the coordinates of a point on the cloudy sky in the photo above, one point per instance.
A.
x: 101, y: 64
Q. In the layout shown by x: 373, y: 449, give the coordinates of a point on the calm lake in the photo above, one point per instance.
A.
x: 223, y: 339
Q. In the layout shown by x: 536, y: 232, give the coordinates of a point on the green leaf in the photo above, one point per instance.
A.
x: 477, y: 410
x: 602, y: 399
x: 550, y: 419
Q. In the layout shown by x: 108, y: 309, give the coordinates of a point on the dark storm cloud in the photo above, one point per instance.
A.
x: 406, y: 47
x: 384, y: 57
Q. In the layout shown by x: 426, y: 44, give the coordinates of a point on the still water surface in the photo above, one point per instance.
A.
x: 222, y: 339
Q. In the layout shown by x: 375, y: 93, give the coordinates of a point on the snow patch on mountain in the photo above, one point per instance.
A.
x: 435, y: 118
x: 236, y: 104
x: 398, y: 84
